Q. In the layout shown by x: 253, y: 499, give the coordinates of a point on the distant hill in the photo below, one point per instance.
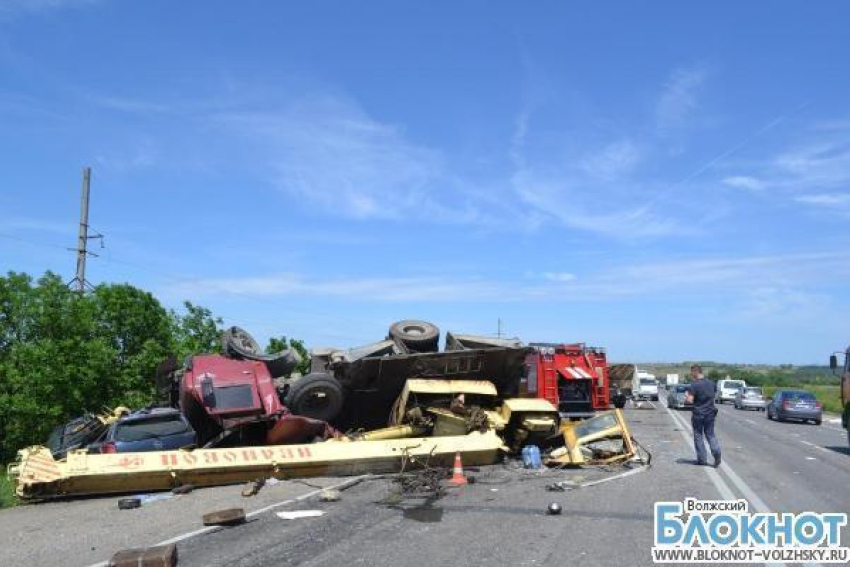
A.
x: 757, y: 374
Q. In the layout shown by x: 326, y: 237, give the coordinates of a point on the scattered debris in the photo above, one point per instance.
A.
x: 602, y: 439
x: 554, y: 509
x: 298, y: 514
x: 329, y: 495
x: 573, y: 484
x: 151, y: 498
x: 160, y: 556
x: 129, y: 503
x: 253, y: 487
x: 228, y: 517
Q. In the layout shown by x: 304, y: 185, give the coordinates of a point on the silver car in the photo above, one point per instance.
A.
x: 750, y: 397
x: 795, y: 404
x: 677, y: 397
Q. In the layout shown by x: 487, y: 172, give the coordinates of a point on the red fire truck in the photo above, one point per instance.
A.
x: 574, y: 377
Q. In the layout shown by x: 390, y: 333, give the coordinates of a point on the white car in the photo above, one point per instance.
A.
x: 727, y: 390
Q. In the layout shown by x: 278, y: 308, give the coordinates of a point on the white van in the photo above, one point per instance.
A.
x: 726, y: 390
x: 644, y: 386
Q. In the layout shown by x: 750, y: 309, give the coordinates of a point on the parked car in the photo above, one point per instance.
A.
x: 750, y: 397
x: 795, y: 404
x: 156, y: 429
x: 727, y: 389
x: 677, y: 397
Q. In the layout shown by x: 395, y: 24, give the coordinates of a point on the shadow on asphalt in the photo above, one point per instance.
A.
x: 843, y: 450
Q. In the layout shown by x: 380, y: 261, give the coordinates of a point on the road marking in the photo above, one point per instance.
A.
x: 188, y: 535
x: 811, y: 459
x: 721, y: 486
x: 748, y: 493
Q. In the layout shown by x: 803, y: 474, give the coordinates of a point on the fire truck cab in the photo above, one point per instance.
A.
x: 573, y: 377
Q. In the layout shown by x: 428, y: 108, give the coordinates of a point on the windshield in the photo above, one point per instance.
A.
x: 752, y: 391
x: 682, y: 389
x: 150, y: 428
x: 732, y: 384
x: 647, y: 382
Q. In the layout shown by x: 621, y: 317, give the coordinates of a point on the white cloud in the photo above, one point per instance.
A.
x: 330, y: 153
x: 784, y: 304
x: 559, y: 276
x: 393, y: 289
x: 728, y: 277
x: 678, y: 99
x: 613, y: 161
x: 10, y: 8
x: 744, y: 182
x: 815, y: 173
x: 825, y: 199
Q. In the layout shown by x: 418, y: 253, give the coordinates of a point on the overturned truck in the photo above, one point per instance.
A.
x: 247, y: 397
x: 355, y: 388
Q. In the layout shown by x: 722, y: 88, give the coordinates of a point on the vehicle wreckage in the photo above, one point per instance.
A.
x: 432, y: 421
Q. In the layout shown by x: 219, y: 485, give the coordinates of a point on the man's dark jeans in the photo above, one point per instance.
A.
x: 704, y: 425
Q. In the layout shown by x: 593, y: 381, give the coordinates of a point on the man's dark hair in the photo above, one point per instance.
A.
x: 696, y: 367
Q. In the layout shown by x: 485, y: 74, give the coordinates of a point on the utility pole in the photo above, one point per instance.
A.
x: 499, y: 328
x: 80, y: 282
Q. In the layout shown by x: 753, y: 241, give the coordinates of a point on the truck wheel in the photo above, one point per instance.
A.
x: 316, y: 395
x: 237, y: 342
x: 418, y: 336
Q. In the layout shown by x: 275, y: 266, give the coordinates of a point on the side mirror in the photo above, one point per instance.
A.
x: 833, y: 361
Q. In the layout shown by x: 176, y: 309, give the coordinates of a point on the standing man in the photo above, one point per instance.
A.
x: 702, y: 419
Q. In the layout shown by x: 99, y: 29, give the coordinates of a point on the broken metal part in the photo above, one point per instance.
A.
x: 604, y: 439
x: 160, y: 556
x: 228, y: 517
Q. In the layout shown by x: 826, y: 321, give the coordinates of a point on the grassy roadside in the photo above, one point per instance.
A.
x: 7, y: 491
x: 829, y: 396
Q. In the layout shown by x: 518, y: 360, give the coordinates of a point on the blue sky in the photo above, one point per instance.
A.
x: 668, y: 180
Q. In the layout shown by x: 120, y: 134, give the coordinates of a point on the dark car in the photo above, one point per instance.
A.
x: 795, y: 404
x: 677, y: 397
x: 156, y: 429
x: 75, y: 434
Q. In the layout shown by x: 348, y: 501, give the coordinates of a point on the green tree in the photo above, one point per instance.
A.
x: 63, y: 353
x: 195, y: 331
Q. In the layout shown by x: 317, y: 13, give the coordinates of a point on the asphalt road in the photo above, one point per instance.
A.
x: 498, y: 520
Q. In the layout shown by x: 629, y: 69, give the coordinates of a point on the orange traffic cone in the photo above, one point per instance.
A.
x: 457, y: 474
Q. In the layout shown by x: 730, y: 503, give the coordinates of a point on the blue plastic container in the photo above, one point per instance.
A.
x: 531, y: 458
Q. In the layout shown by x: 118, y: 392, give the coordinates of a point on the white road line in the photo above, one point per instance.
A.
x: 188, y: 535
x: 719, y: 483
x: 721, y: 486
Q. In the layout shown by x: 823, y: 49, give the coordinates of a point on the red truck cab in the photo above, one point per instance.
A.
x: 573, y: 377
x: 225, y: 397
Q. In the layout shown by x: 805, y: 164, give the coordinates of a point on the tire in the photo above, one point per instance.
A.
x: 769, y: 416
x: 817, y: 422
x: 316, y: 395
x: 238, y: 343
x: 129, y: 503
x: 417, y: 336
